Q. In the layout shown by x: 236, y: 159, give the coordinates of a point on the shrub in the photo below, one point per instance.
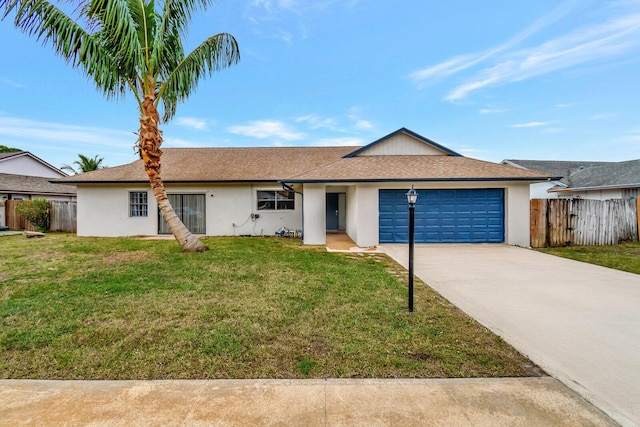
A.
x: 36, y: 211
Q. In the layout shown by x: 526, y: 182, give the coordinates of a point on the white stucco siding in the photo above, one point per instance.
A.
x: 367, y: 215
x: 352, y: 213
x: 230, y: 209
x: 539, y: 190
x: 25, y: 165
x: 315, y: 214
x: 401, y: 144
x: 104, y: 210
x: 517, y: 215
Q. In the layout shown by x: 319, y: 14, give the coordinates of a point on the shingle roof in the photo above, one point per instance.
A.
x: 587, y: 174
x: 303, y: 164
x: 620, y: 174
x: 557, y: 168
x: 221, y: 165
x: 23, y: 184
x: 425, y: 168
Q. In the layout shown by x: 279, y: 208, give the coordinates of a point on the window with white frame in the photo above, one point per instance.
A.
x: 275, y: 200
x: 138, y: 204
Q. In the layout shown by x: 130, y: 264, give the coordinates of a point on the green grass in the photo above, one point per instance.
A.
x: 625, y: 256
x: 98, y: 308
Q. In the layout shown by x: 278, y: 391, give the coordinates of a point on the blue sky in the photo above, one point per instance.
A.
x: 530, y: 79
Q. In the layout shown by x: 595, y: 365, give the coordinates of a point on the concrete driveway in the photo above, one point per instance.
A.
x: 579, y: 322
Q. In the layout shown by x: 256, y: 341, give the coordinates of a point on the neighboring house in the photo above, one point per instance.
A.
x: 586, y: 180
x: 25, y: 163
x: 24, y: 176
x: 358, y: 190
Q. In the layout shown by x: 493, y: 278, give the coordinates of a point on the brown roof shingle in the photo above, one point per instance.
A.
x: 36, y: 185
x: 221, y: 165
x: 432, y: 168
x: 303, y: 164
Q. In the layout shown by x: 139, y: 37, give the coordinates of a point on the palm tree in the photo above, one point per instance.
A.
x: 84, y: 164
x: 133, y: 45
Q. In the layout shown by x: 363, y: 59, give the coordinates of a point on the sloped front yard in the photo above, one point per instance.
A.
x: 84, y: 308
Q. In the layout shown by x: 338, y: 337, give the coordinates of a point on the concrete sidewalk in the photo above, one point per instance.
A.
x: 438, y: 402
x: 579, y: 322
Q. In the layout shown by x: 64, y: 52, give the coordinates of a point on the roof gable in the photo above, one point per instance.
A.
x: 25, y: 163
x: 403, y: 142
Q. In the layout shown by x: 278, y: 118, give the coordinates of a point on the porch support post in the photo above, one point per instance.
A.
x: 314, y: 214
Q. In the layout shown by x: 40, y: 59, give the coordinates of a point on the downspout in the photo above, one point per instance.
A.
x: 289, y: 188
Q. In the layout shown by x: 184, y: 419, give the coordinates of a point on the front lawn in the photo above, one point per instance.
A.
x: 98, y: 308
x: 625, y: 256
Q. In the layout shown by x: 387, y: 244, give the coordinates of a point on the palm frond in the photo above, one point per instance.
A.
x: 49, y: 24
x: 214, y: 54
x: 119, y: 29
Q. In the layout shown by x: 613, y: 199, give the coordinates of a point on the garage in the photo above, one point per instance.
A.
x: 443, y: 216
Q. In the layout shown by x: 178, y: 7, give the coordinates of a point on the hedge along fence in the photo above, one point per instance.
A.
x: 562, y: 222
x: 63, y: 216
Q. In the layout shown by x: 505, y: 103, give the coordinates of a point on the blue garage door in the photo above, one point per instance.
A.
x: 444, y: 216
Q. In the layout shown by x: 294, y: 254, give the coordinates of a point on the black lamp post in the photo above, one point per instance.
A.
x: 412, y: 197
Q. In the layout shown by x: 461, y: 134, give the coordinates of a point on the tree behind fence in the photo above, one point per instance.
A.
x: 63, y: 217
x: 561, y: 222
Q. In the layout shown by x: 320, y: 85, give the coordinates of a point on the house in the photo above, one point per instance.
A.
x: 586, y: 180
x: 357, y: 190
x: 24, y: 176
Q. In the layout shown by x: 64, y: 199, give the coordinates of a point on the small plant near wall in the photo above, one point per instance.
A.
x: 36, y: 211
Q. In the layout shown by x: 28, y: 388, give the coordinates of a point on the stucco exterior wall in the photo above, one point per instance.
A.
x: 539, y: 191
x: 367, y: 215
x: 315, y: 214
x: 104, y: 210
x: 352, y: 213
x: 517, y: 215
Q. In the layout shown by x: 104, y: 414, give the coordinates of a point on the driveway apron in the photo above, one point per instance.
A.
x: 579, y: 322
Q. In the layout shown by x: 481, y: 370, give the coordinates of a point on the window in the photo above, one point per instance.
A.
x: 276, y: 200
x: 191, y: 209
x: 138, y: 203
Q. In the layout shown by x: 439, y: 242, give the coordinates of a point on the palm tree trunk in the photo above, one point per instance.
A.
x: 149, y: 141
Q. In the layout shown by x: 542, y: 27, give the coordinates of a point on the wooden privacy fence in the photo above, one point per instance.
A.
x: 561, y: 222
x: 62, y: 217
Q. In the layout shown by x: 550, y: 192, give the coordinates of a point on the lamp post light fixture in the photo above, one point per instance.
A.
x: 412, y: 197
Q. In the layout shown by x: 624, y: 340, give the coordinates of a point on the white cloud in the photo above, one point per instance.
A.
x: 530, y: 124
x: 192, y: 123
x: 263, y: 129
x: 363, y: 124
x: 11, y: 83
x: 612, y: 38
x: 491, y: 111
x: 459, y: 63
x: 318, y: 122
x: 26, y: 129
x: 506, y: 64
